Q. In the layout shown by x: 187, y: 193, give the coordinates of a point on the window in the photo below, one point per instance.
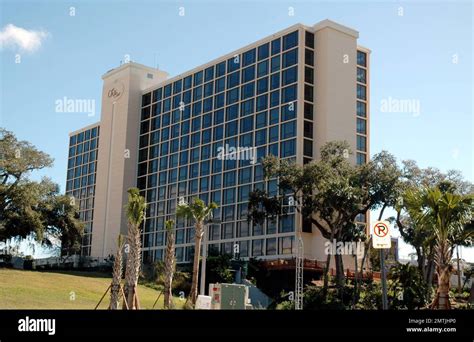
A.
x: 308, y: 93
x: 361, y: 58
x: 207, y: 105
x: 361, y: 109
x: 232, y: 95
x: 309, y: 39
x: 361, y: 92
x: 177, y: 86
x: 228, y: 213
x: 263, y: 51
x: 220, y: 85
x: 248, y: 74
x: 216, y: 181
x: 248, y: 90
x: 308, y: 148
x: 229, y: 178
x: 271, y: 248
x: 262, y: 85
x: 288, y: 94
x: 245, y: 175
x: 308, y: 75
x: 187, y: 97
x: 167, y: 90
x: 198, y: 78
x: 288, y: 148
x: 286, y: 245
x: 289, y: 76
x: 261, y: 120
x: 220, y: 69
x: 290, y: 58
x: 216, y: 165
x: 274, y: 81
x: 361, y: 143
x: 274, y: 116
x: 242, y: 231
x: 246, y: 124
x: 209, y: 74
x: 187, y: 82
x: 228, y: 196
x: 218, y: 132
x: 275, y: 64
x: 205, y: 152
x: 218, y: 117
x: 257, y: 247
x: 361, y: 126
x: 262, y: 69
x: 257, y: 229
x: 197, y: 94
x: 276, y: 46
x: 244, y: 192
x: 194, y: 170
x: 273, y: 149
x: 208, y: 87
x: 262, y: 102
x: 274, y: 98
x: 273, y: 134
x: 287, y: 224
x: 233, y: 63
x: 308, y: 129
x: 361, y: 75
x: 290, y: 40
x: 288, y: 130
x: 157, y: 94
x: 361, y: 159
x: 248, y: 57
x: 233, y: 79
x: 232, y: 112
x: 231, y: 128
x: 261, y: 137
x: 166, y: 105
x: 247, y: 107
x: 219, y: 101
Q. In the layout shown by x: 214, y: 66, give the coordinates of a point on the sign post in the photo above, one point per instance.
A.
x: 381, y: 240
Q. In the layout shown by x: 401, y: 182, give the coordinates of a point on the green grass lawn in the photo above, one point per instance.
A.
x: 63, y: 290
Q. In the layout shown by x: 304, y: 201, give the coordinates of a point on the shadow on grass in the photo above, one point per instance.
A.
x: 90, y: 274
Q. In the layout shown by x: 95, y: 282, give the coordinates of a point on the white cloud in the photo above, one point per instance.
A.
x: 12, y: 36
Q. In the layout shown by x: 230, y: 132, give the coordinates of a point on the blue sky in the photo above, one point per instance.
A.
x: 421, y: 51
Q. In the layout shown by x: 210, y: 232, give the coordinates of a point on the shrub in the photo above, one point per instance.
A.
x: 406, y: 288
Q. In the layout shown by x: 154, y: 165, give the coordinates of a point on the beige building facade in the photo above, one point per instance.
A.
x: 148, y: 137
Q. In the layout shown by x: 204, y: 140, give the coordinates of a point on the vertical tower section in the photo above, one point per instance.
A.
x: 117, y: 154
x: 81, y: 177
x: 333, y: 85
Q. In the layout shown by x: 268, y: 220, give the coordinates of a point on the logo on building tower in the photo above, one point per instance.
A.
x: 116, y: 91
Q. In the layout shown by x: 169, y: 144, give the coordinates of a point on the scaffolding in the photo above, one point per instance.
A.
x: 299, y: 274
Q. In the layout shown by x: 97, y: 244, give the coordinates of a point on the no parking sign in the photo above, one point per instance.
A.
x: 381, y: 235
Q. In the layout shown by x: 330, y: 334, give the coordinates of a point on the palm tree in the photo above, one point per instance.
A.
x: 170, y: 264
x: 115, y: 287
x: 135, y: 208
x: 200, y: 213
x: 448, y: 213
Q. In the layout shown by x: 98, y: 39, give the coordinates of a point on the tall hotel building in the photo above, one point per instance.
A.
x: 286, y: 95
